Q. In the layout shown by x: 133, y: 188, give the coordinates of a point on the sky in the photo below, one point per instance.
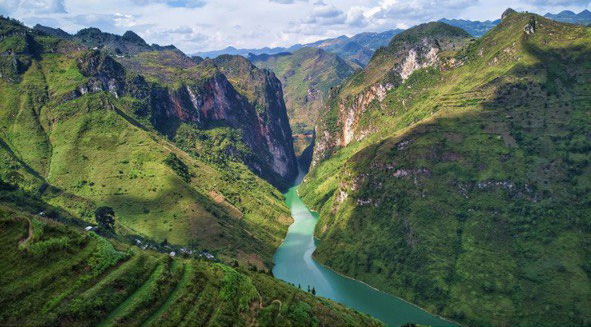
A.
x: 200, y: 25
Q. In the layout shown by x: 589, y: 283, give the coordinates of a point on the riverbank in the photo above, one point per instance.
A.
x: 294, y: 263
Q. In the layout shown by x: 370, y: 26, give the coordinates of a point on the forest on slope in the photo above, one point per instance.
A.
x: 455, y: 173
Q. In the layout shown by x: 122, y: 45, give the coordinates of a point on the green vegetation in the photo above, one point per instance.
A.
x: 470, y: 194
x: 86, y: 280
x: 307, y: 75
x: 105, y: 217
x: 80, y: 143
x: 179, y: 167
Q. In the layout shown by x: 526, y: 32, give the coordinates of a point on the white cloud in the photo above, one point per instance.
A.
x: 197, y: 25
x: 286, y: 2
x: 32, y: 6
x: 553, y: 3
x: 173, y: 3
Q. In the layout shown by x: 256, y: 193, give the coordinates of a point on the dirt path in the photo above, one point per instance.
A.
x: 25, y: 240
x: 253, y: 309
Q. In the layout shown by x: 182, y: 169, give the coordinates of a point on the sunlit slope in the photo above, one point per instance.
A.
x: 469, y: 193
x: 85, y: 280
x: 72, y: 130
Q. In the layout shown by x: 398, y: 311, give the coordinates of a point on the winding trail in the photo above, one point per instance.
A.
x: 28, y: 238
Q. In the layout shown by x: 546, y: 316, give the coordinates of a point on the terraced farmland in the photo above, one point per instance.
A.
x: 63, y: 276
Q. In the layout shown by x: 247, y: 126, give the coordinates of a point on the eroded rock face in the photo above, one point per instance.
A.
x: 405, y: 55
x: 259, y: 112
x: 265, y: 128
x: 412, y: 59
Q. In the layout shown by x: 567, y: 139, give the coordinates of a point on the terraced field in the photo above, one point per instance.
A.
x: 63, y: 276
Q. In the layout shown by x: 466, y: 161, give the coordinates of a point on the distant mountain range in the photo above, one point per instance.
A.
x: 479, y: 28
x: 357, y: 49
x: 474, y: 27
x: 567, y: 16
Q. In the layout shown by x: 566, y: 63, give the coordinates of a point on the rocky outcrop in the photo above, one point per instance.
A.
x: 258, y: 113
x: 268, y: 132
x: 414, y: 49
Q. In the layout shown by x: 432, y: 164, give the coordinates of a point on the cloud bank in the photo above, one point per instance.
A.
x: 198, y: 25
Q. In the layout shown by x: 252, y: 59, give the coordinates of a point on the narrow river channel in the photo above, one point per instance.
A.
x: 294, y: 264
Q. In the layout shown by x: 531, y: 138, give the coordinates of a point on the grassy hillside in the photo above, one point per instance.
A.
x: 80, y: 147
x: 55, y: 275
x: 470, y: 194
x: 307, y: 75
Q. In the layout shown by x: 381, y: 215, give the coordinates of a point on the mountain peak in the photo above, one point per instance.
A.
x: 507, y: 12
x: 57, y: 32
x: 132, y: 37
x: 584, y: 14
x: 429, y: 30
x: 566, y: 13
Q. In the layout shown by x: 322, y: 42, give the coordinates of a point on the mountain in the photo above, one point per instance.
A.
x: 127, y: 44
x: 213, y: 95
x: 307, y: 75
x: 455, y: 173
x: 474, y: 27
x: 373, y: 40
x: 567, y: 16
x: 357, y: 49
x: 479, y: 28
x: 173, y: 146
x: 246, y: 52
x: 57, y: 275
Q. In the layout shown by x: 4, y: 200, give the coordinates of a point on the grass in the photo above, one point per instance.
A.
x: 144, y: 288
x: 468, y: 195
x: 82, y: 151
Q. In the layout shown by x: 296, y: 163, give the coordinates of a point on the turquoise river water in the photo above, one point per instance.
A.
x: 294, y: 264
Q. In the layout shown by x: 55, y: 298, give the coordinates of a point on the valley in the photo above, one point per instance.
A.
x: 294, y: 264
x: 436, y: 175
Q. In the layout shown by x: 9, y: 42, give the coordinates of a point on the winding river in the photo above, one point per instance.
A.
x: 294, y: 264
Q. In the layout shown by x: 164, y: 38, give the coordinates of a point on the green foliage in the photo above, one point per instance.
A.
x: 179, y: 167
x: 92, y: 283
x: 475, y: 176
x: 105, y: 217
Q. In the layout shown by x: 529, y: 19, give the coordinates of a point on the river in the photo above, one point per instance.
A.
x: 294, y: 264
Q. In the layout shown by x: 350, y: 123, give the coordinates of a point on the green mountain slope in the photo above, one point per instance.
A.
x: 356, y: 50
x: 54, y: 275
x: 82, y: 132
x: 121, y: 45
x: 464, y: 187
x: 307, y: 75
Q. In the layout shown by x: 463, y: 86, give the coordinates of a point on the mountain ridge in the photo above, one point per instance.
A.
x: 448, y: 173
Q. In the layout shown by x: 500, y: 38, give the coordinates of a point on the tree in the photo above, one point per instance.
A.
x: 314, y: 290
x: 105, y: 217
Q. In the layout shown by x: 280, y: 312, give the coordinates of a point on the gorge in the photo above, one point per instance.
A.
x: 438, y: 175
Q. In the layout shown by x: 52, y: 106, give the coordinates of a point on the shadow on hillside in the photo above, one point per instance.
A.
x: 502, y: 165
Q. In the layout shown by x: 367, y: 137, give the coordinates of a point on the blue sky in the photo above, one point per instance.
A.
x: 197, y: 25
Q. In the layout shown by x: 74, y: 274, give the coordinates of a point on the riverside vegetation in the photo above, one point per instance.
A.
x: 454, y: 173
x: 450, y: 171
x: 152, y: 138
x: 54, y: 274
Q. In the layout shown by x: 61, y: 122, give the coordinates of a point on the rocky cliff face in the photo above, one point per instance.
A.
x: 414, y: 49
x: 257, y: 110
x: 476, y: 175
x: 307, y: 75
x: 268, y: 133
